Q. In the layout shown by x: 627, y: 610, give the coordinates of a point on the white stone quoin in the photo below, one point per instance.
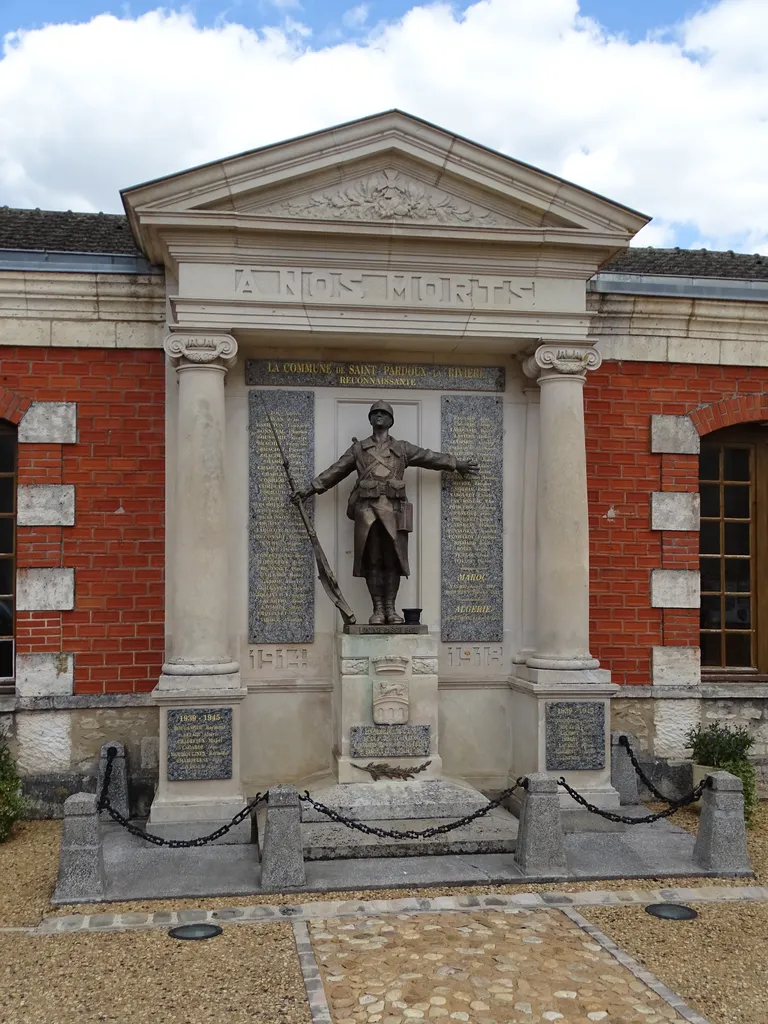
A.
x: 49, y: 423
x: 45, y: 504
x: 199, y: 672
x: 44, y: 675
x: 675, y: 510
x: 675, y: 588
x: 39, y: 590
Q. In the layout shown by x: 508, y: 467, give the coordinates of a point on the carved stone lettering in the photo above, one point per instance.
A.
x: 199, y: 744
x: 475, y: 656
x: 575, y: 735
x: 309, y: 286
x: 472, y: 521
x: 278, y: 658
x: 334, y: 374
x: 281, y: 566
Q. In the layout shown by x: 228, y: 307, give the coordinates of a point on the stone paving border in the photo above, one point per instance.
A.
x: 361, y: 908
x: 636, y: 968
x: 313, y: 983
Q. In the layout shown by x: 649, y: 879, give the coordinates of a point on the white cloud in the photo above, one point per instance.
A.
x: 676, y: 126
x: 355, y: 17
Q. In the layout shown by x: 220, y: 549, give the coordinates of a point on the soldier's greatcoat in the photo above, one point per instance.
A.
x: 380, y: 489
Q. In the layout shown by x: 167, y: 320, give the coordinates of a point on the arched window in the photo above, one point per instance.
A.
x: 7, y: 550
x: 733, y: 548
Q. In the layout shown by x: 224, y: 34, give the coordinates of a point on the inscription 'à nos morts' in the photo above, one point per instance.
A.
x: 575, y: 735
x: 472, y: 591
x: 281, y: 579
x: 199, y: 744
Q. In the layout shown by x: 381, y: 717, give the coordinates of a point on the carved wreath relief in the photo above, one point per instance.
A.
x: 386, y: 196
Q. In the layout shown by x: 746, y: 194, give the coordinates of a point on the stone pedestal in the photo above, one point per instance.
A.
x: 385, y: 702
x: 199, y: 691
x: 561, y: 697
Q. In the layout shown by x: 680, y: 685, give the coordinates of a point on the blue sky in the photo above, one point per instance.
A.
x: 634, y: 18
x: 664, y: 108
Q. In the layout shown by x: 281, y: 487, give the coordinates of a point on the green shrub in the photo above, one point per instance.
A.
x: 745, y: 771
x: 11, y: 800
x: 719, y: 744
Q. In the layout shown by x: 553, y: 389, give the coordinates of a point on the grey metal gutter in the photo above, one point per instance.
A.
x: 76, y: 262
x: 679, y: 287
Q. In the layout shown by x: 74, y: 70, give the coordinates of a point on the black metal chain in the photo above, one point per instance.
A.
x: 624, y: 819
x: 174, y: 844
x: 424, y: 833
x: 624, y: 742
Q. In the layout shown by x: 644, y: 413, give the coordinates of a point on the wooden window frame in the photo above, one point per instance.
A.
x: 755, y: 437
x: 7, y: 683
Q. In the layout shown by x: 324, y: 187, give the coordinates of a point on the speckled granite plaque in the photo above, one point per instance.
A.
x: 333, y: 374
x: 199, y: 744
x: 472, y: 592
x: 389, y: 741
x: 281, y: 569
x: 575, y: 735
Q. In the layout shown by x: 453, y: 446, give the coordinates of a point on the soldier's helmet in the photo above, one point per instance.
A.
x: 381, y: 406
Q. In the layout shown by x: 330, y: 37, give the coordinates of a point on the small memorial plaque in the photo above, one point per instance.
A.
x: 199, y: 744
x: 389, y: 741
x: 575, y: 735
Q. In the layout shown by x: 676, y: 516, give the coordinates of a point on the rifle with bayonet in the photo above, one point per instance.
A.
x: 324, y: 572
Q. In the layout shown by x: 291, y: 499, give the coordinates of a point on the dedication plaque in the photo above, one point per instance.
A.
x: 575, y: 735
x: 472, y: 589
x: 312, y: 373
x: 199, y: 744
x: 281, y: 577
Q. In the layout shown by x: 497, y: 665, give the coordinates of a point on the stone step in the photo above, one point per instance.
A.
x: 387, y: 800
x: 496, y: 832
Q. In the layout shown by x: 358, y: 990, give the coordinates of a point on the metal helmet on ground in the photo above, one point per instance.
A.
x: 381, y: 406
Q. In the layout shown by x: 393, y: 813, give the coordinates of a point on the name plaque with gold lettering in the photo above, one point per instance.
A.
x: 199, y: 744
x: 472, y: 509
x: 281, y: 578
x: 312, y: 373
x: 575, y: 733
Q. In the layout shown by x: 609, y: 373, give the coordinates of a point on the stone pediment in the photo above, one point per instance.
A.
x: 383, y: 196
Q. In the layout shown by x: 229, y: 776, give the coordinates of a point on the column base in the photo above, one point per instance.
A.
x: 187, y: 676
x: 561, y: 726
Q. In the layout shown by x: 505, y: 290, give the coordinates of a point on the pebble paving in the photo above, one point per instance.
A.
x: 516, y: 966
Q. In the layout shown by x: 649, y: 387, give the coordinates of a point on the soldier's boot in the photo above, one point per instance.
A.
x: 393, y: 619
x: 379, y: 615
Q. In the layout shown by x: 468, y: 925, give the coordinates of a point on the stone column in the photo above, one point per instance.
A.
x: 199, y: 691
x: 561, y: 711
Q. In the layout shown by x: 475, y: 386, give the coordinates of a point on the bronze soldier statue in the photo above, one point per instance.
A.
x: 379, y: 507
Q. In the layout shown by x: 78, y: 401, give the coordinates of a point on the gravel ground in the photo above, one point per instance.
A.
x: 29, y: 862
x: 244, y: 976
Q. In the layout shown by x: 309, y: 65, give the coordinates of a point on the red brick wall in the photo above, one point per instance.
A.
x: 619, y: 400
x: 116, y: 547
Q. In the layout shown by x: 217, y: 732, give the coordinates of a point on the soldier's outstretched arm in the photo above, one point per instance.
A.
x: 425, y: 458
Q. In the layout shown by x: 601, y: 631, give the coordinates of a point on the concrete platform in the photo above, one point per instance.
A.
x: 136, y: 870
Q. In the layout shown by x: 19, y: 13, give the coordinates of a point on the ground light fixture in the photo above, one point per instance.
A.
x: 192, y: 932
x: 671, y: 911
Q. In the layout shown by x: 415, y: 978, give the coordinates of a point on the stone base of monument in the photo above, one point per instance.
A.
x: 561, y: 726
x: 381, y: 801
x: 199, y: 787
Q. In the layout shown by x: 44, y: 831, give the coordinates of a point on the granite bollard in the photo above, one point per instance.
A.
x: 282, y: 859
x: 623, y: 775
x: 540, y: 848
x: 721, y: 841
x: 118, y: 780
x: 81, y: 862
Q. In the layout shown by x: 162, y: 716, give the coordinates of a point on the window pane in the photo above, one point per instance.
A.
x: 709, y: 464
x: 6, y: 659
x: 7, y: 484
x: 736, y: 502
x: 710, y: 649
x: 736, y: 464
x: 6, y: 576
x: 736, y: 538
x: 709, y: 538
x: 710, y: 574
x: 7, y: 452
x: 710, y: 500
x: 710, y: 612
x: 737, y: 575
x: 738, y: 653
x: 6, y: 617
x: 737, y: 612
x: 6, y: 536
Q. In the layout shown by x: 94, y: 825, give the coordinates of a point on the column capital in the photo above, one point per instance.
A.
x: 561, y: 360
x: 201, y: 348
